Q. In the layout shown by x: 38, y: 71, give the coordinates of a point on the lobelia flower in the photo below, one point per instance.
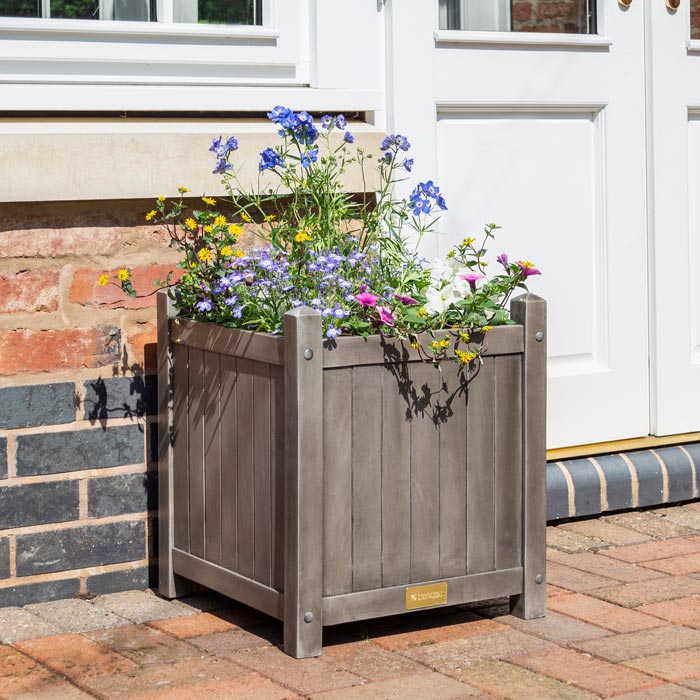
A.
x: 204, y: 305
x: 385, y: 316
x: 367, y: 299
x: 333, y: 332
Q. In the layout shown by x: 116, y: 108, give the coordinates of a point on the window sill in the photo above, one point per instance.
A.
x: 444, y: 37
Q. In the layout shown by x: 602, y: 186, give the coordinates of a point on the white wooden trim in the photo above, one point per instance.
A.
x: 449, y: 36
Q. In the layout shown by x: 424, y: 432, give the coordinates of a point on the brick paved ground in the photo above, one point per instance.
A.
x: 623, y: 622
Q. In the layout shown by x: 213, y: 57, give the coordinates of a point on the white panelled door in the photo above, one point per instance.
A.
x: 573, y: 133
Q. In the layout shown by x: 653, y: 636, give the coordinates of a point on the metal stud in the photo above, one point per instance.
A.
x: 539, y: 336
x: 308, y: 617
x: 308, y: 353
x: 539, y: 578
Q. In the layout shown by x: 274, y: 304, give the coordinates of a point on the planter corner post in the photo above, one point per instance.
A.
x: 303, y: 555
x: 530, y: 311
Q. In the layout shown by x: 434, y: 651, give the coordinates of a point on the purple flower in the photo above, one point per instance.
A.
x: 367, y: 299
x: 472, y: 278
x: 348, y: 138
x: 408, y: 164
x: 232, y: 300
x: 326, y: 121
x: 340, y: 122
x: 333, y: 332
x: 406, y: 300
x: 527, y: 268
x: 204, y: 305
x: 385, y: 316
x: 503, y: 259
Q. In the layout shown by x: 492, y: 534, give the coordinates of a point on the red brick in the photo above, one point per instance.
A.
x: 605, y: 531
x: 682, y: 611
x: 522, y: 11
x: 633, y: 595
x: 603, y: 614
x: 29, y: 291
x: 21, y: 674
x: 229, y: 642
x: 59, y: 690
x: 141, y: 340
x: 661, y: 692
x: 365, y: 659
x: 687, y: 564
x: 192, y: 625
x: 575, y: 579
x: 605, y: 566
x: 57, y: 242
x: 671, y: 666
x: 252, y: 687
x: 585, y: 672
x: 27, y: 350
x: 75, y: 656
x: 86, y: 291
x: 560, y: 629
x: 649, y: 551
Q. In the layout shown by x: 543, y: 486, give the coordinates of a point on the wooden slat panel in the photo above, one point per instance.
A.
x: 392, y: 601
x: 229, y: 341
x: 396, y: 481
x: 367, y: 478
x: 337, y: 481
x: 181, y: 482
x: 262, y: 465
x: 212, y: 459
x: 195, y: 426
x: 229, y: 462
x: 277, y: 475
x: 246, y: 488
x: 229, y: 583
x: 508, y: 461
x: 453, y: 474
x: 425, y: 486
x: 353, y: 351
x: 480, y: 474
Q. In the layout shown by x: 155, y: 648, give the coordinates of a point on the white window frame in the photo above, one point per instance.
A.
x: 484, y: 15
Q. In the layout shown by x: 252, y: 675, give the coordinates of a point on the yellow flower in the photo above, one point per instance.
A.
x: 220, y: 220
x: 227, y: 251
x: 182, y: 190
x: 151, y: 214
x: 435, y: 345
x: 161, y: 199
x: 415, y: 345
x: 422, y: 312
x: 464, y: 337
x: 190, y: 224
x: 209, y: 200
x: 208, y: 228
x: 451, y: 254
x: 123, y: 275
x: 468, y: 241
x: 104, y: 280
x: 204, y: 255
x: 486, y: 329
x: 445, y: 342
x: 239, y: 254
x: 235, y: 229
x: 302, y: 237
x: 270, y: 217
x: 465, y: 357
x: 246, y: 217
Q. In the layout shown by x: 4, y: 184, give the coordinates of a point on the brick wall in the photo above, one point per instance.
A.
x: 561, y: 16
x: 77, y: 399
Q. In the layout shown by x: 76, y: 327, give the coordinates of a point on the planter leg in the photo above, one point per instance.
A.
x: 303, y: 567
x: 531, y: 311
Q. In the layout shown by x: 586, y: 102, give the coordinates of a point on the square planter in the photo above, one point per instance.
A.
x: 324, y: 485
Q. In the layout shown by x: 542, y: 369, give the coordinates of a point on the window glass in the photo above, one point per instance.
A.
x: 695, y: 19
x: 554, y: 16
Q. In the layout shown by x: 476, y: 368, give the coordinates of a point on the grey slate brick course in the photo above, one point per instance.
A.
x: 39, y: 592
x: 3, y: 458
x: 4, y: 557
x: 586, y: 487
x: 116, y: 495
x: 74, y: 450
x: 557, y: 494
x: 651, y: 488
x: 618, y: 480
x: 680, y: 473
x: 75, y: 548
x: 37, y: 504
x: 38, y: 404
x: 120, y: 397
x: 117, y: 581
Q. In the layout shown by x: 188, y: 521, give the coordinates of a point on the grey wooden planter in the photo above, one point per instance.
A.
x: 324, y: 485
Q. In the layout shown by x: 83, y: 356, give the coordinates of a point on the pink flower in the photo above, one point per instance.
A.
x: 527, y: 268
x: 385, y: 316
x: 367, y: 299
x: 406, y: 300
x: 503, y: 259
x: 472, y: 277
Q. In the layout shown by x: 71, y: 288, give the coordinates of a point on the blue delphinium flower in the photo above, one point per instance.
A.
x: 340, y: 122
x: 309, y: 157
x: 408, y: 164
x: 348, y: 138
x: 326, y: 121
x: 270, y: 159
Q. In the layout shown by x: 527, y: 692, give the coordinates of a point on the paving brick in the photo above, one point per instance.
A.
x: 206, y: 601
x: 371, y: 662
x: 585, y: 672
x: 662, y: 692
x: 21, y: 674
x: 3, y: 458
x: 557, y: 628
x: 681, y: 611
x: 649, y: 523
x: 572, y: 541
x: 117, y: 495
x: 553, y: 591
x: 304, y: 676
x: 505, y: 680
x: 120, y: 397
x: 75, y: 615
x: 681, y: 515
x: 17, y: 624
x: 671, y: 666
x: 143, y: 644
x: 422, y: 686
x: 605, y: 566
x: 252, y: 687
x: 4, y: 557
x: 117, y: 581
x: 197, y: 625
x: 38, y: 504
x: 165, y: 678
x: 73, y: 450
x: 690, y: 683
x: 39, y: 404
x: 75, y: 656
x: 686, y: 564
x: 38, y: 592
x: 58, y: 690
x: 78, y: 547
x: 141, y: 606
x: 229, y: 642
x: 649, y: 551
x: 575, y: 579
x: 450, y: 657
x: 605, y: 531
x: 622, y: 647
x: 632, y: 595
x: 602, y: 613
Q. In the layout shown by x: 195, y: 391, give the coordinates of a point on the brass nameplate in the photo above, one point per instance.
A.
x: 426, y: 596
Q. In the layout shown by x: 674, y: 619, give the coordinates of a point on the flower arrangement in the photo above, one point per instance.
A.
x: 353, y: 258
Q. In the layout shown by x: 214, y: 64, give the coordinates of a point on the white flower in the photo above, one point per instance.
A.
x: 441, y: 271
x: 439, y: 300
